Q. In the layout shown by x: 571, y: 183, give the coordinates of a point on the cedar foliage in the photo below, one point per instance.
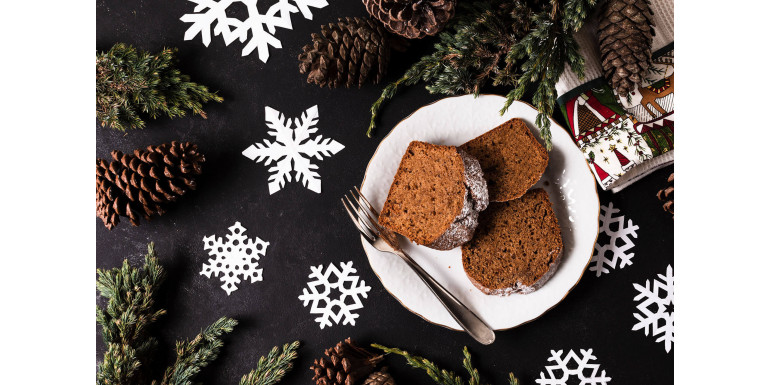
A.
x: 523, y: 44
x: 130, y: 310
x: 443, y: 376
x: 131, y: 81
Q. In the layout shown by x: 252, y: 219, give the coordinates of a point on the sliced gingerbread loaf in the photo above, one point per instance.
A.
x: 517, y: 246
x: 436, y: 196
x: 511, y: 157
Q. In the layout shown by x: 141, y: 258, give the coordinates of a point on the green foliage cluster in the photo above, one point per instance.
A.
x: 443, y: 376
x: 524, y: 44
x: 131, y: 310
x: 131, y: 81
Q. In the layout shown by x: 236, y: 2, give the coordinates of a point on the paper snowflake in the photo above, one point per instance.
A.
x: 238, y: 257
x: 331, y: 282
x: 258, y: 28
x: 292, y: 149
x: 657, y: 308
x: 563, y: 369
x: 620, y: 233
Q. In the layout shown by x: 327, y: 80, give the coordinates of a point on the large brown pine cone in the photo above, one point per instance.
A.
x: 380, y: 377
x: 625, y: 42
x: 140, y: 184
x: 412, y: 19
x: 344, y: 364
x: 348, y: 53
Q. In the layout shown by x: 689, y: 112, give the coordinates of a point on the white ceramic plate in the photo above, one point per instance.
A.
x: 570, y: 185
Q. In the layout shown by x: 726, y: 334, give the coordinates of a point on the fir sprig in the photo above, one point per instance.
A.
x: 130, y: 294
x: 525, y: 44
x: 130, y: 81
x: 443, y: 376
x: 271, y: 369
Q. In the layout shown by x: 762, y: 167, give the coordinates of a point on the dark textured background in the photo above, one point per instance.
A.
x: 306, y: 229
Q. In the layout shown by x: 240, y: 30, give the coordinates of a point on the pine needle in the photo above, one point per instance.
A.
x: 271, y: 369
x: 442, y: 376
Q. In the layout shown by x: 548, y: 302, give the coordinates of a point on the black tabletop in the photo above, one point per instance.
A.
x: 307, y: 229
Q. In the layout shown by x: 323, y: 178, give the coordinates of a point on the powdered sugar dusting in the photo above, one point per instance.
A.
x: 476, y: 199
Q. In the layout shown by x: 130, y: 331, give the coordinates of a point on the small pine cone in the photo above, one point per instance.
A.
x: 412, y: 19
x: 344, y: 364
x: 348, y: 53
x: 625, y: 42
x: 666, y: 196
x: 139, y: 185
x: 381, y: 377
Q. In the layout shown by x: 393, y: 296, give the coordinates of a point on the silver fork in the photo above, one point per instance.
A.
x: 364, y: 216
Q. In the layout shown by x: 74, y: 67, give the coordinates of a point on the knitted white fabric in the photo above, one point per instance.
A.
x: 589, y: 44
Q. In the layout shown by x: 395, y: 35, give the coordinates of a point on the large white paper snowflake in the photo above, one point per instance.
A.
x: 563, y: 369
x: 339, y: 295
x: 258, y: 28
x: 235, y: 259
x: 620, y: 233
x: 292, y: 149
x: 656, y: 308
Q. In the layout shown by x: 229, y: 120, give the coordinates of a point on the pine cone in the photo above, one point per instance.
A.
x: 140, y: 184
x: 412, y: 19
x: 344, y: 364
x: 666, y: 196
x: 346, y: 53
x: 381, y: 377
x: 625, y: 42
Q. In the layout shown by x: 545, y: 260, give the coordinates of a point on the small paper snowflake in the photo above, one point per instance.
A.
x: 563, y: 370
x: 620, y: 233
x: 210, y: 14
x: 292, y: 149
x: 656, y: 307
x: 325, y: 301
x: 238, y: 257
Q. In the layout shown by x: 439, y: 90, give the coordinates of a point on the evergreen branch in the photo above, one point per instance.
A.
x: 129, y: 311
x: 129, y: 81
x: 271, y: 369
x: 439, y: 376
x: 472, y: 372
x: 192, y: 356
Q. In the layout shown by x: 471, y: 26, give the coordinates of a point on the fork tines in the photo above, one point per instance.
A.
x: 363, y: 214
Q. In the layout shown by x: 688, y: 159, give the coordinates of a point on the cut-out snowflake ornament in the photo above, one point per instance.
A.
x: 656, y: 309
x: 259, y: 28
x: 235, y: 259
x: 292, y: 149
x: 620, y: 233
x: 334, y: 294
x: 572, y: 364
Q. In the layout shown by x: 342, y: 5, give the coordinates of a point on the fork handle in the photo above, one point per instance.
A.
x: 467, y: 319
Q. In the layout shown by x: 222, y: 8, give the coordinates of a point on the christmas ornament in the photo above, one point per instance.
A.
x: 130, y: 311
x: 141, y: 184
x: 656, y: 308
x: 666, y: 196
x: 413, y: 19
x: 443, y: 376
x: 339, y: 295
x: 346, y: 53
x: 235, y: 259
x: 625, y: 42
x: 259, y: 28
x: 344, y: 364
x: 573, y: 366
x: 130, y: 80
x: 292, y: 150
x: 613, y: 252
x: 380, y: 377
